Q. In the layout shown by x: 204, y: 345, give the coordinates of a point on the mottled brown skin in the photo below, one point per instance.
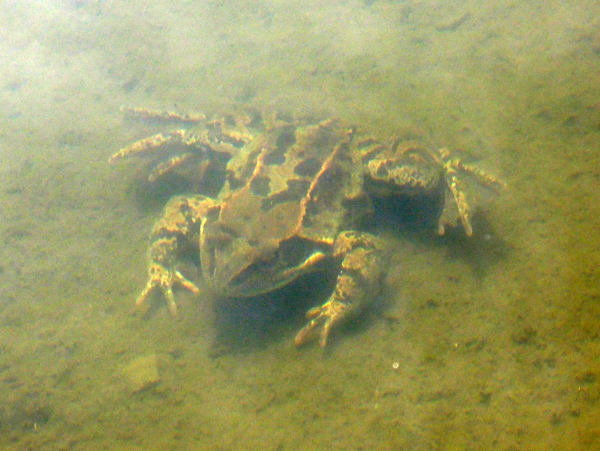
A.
x: 293, y: 197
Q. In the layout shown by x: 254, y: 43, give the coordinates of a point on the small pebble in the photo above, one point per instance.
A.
x: 142, y: 373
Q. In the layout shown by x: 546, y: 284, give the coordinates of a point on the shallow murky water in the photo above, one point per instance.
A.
x: 483, y: 343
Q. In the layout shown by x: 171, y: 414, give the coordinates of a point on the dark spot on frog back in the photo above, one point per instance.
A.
x: 285, y: 140
x: 308, y: 168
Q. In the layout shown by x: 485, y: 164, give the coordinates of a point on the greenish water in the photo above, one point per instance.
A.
x: 488, y: 343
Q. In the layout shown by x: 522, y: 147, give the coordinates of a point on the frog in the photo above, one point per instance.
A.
x: 293, y: 199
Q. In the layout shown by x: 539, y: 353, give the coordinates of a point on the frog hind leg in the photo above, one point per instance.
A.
x: 358, y: 280
x: 179, y: 223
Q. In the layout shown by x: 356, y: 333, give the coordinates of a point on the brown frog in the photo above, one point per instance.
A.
x: 292, y: 199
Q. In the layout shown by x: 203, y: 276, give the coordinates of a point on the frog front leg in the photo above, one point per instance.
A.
x: 179, y: 222
x: 358, y: 280
x: 410, y: 168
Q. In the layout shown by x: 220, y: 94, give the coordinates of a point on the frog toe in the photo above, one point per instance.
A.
x: 323, y: 317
